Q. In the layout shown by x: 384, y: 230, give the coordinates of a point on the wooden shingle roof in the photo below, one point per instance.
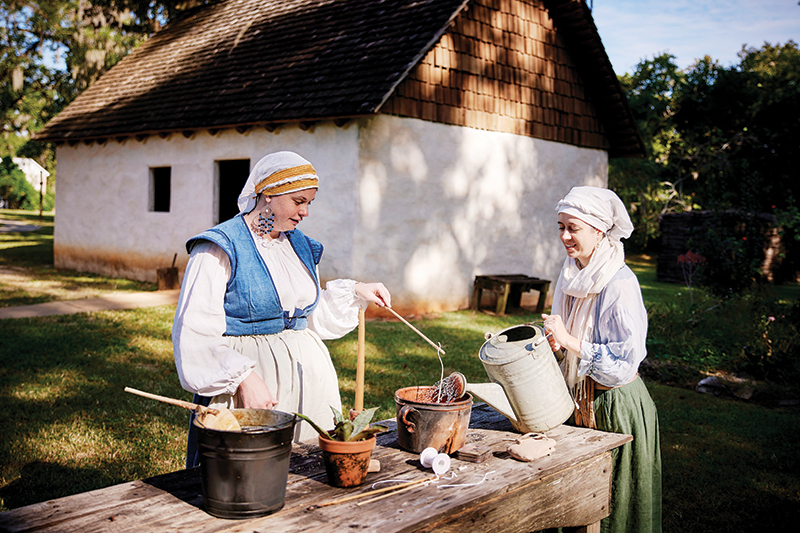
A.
x: 241, y: 63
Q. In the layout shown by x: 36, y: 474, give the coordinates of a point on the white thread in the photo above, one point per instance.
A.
x: 441, y: 464
x: 467, y: 484
x: 427, y: 456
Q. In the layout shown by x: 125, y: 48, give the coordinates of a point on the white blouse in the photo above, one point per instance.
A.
x: 205, y: 363
x: 619, y: 344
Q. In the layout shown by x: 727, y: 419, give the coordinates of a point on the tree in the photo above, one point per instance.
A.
x: 718, y: 138
x: 651, y: 186
x: 736, y: 138
x: 89, y: 35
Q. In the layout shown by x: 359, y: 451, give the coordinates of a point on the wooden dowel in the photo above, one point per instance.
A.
x: 372, y: 492
x: 387, y: 494
x: 173, y: 401
x: 360, y: 362
x: 418, y: 332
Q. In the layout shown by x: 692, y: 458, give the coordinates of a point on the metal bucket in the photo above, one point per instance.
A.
x: 519, y: 358
x: 245, y: 473
x: 422, y: 424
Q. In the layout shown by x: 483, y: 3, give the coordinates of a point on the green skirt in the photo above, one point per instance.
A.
x: 636, y: 483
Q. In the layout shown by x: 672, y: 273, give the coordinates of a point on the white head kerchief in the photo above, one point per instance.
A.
x: 603, y: 210
x: 276, y: 174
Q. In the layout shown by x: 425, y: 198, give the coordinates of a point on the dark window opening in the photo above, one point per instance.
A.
x: 160, y: 187
x: 233, y: 175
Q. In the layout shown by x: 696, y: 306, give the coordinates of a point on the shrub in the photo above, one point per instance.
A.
x: 752, y: 333
x: 14, y: 187
x: 733, y: 244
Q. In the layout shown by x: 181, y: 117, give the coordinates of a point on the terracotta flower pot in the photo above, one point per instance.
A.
x: 346, y: 463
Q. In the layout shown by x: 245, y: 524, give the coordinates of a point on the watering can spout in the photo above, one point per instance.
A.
x: 495, y: 397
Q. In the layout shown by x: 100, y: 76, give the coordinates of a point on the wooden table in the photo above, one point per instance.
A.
x: 509, y: 289
x: 571, y: 487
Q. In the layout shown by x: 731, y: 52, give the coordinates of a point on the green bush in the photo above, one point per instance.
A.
x: 733, y: 244
x: 753, y: 334
x: 14, y: 187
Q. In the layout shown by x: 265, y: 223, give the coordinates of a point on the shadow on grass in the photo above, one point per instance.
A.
x: 39, y: 481
x: 62, y: 385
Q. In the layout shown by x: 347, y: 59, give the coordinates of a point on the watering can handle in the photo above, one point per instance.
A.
x: 404, y: 411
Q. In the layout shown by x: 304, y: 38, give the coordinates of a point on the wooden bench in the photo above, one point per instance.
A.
x: 509, y: 289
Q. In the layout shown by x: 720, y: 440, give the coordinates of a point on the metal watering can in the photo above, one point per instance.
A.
x: 527, y: 385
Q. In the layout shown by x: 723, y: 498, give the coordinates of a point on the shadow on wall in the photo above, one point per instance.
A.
x: 446, y: 203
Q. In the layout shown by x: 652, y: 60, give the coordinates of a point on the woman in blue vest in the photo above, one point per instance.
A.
x: 251, y: 317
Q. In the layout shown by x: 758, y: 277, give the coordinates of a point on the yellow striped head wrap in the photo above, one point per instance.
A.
x: 277, y: 173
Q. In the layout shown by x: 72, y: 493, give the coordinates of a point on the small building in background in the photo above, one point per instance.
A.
x: 443, y: 131
x: 34, y: 173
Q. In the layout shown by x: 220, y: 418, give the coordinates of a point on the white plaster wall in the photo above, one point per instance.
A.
x: 440, y: 204
x: 103, y: 223
x: 421, y: 206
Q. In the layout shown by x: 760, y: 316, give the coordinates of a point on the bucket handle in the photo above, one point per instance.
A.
x: 404, y: 412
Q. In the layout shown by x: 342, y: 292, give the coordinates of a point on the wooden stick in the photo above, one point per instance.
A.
x: 179, y: 403
x: 370, y: 493
x: 386, y: 495
x: 360, y: 362
x: 418, y: 332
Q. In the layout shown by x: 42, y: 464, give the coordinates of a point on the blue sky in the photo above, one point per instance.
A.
x: 633, y: 30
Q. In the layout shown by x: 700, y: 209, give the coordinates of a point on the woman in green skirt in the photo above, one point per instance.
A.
x: 599, y: 324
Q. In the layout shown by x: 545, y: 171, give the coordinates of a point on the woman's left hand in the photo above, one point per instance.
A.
x: 374, y: 292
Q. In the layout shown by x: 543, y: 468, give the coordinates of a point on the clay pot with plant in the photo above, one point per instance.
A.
x: 347, y: 448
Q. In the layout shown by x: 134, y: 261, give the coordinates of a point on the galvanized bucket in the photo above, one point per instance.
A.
x: 245, y: 473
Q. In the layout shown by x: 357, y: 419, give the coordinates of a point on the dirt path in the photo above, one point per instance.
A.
x: 24, y: 286
x: 16, y: 226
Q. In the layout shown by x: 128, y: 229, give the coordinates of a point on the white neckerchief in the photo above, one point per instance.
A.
x: 582, y: 285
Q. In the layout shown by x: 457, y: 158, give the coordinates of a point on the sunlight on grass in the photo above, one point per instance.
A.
x: 69, y: 427
x: 50, y: 384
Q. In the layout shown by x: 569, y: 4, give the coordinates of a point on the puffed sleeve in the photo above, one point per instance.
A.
x: 620, y: 333
x: 336, y: 315
x: 205, y: 363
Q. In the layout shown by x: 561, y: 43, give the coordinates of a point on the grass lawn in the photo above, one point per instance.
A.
x: 68, y: 427
x: 27, y: 275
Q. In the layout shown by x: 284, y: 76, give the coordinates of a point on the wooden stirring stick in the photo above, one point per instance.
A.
x: 418, y: 332
x: 211, y: 418
x: 173, y: 401
x: 360, y: 362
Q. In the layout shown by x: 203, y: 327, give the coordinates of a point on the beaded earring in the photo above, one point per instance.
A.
x: 264, y: 225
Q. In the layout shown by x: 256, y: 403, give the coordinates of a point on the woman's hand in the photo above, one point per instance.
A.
x: 554, y: 325
x: 253, y: 393
x: 375, y: 293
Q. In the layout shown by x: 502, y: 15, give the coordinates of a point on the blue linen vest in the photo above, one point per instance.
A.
x: 252, y: 305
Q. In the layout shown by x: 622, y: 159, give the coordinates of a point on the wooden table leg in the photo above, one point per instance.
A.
x: 477, y: 291
x: 542, y: 297
x: 591, y: 528
x: 502, y: 300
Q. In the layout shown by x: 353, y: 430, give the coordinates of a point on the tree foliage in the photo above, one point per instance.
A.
x: 51, y: 50
x: 15, y: 190
x: 718, y: 137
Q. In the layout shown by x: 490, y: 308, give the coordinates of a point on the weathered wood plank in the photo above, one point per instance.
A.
x: 547, y: 502
x: 569, y: 487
